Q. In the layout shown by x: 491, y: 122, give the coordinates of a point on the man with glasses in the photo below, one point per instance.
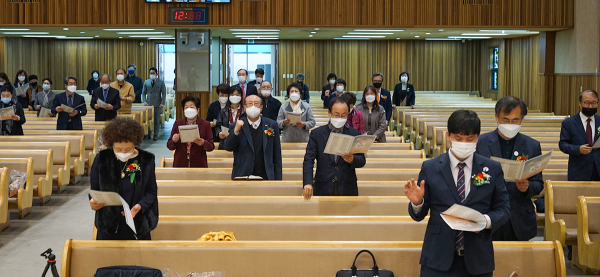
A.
x: 383, y: 95
x: 270, y: 104
x: 255, y: 143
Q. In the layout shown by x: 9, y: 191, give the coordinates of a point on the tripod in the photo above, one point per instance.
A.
x: 50, y: 264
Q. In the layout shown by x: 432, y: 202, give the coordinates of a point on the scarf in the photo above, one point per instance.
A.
x: 297, y: 108
x: 46, y: 104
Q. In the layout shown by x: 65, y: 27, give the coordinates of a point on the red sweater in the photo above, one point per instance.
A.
x: 197, y: 153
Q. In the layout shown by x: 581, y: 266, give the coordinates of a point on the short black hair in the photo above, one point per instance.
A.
x: 341, y: 81
x: 259, y: 71
x: 7, y: 87
x: 267, y: 82
x: 243, y: 70
x: 70, y: 78
x: 331, y: 75
x: 407, y: 76
x: 377, y: 74
x: 464, y: 122
x: 588, y: 90
x: 337, y: 100
x: 364, y: 99
x: 189, y: 98
x: 153, y: 68
x: 5, y: 77
x: 47, y: 78
x: 234, y: 89
x: 32, y: 77
x: 508, y: 104
x: 223, y: 88
x: 349, y: 97
x: 21, y: 71
x: 125, y: 71
x: 95, y: 71
x: 294, y: 85
x: 132, y: 65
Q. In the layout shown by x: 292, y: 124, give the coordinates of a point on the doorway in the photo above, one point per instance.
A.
x: 166, y: 64
x: 252, y: 57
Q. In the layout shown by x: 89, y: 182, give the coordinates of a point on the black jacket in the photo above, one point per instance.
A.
x: 270, y: 107
x: 214, y: 109
x: 223, y: 120
x: 251, y: 90
x: 113, y: 97
x: 17, y: 126
x: 92, y: 85
x: 400, y: 94
x: 323, y: 97
x: 105, y: 176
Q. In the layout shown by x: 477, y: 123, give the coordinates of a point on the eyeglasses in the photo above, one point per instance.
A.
x: 255, y: 104
x: 588, y: 103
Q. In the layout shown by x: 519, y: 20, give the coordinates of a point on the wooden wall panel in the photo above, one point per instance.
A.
x: 567, y: 90
x: 340, y: 13
x: 60, y: 58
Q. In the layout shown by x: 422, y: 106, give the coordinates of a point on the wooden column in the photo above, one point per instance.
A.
x: 546, y: 66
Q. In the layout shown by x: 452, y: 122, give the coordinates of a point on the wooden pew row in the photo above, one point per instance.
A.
x: 4, y: 215
x: 282, y: 259
x: 61, y: 168
x: 24, y: 200
x: 588, y: 233
x: 265, y: 188
x: 42, y: 172
x: 298, y: 162
x: 299, y: 154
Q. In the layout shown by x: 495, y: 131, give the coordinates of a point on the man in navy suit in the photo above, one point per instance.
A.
x: 108, y: 95
x: 450, y: 179
x: 506, y: 142
x: 247, y: 89
x: 255, y: 143
x: 336, y: 175
x: 69, y: 121
x: 383, y: 95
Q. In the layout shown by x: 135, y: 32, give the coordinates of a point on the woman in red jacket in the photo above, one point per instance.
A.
x: 191, y: 154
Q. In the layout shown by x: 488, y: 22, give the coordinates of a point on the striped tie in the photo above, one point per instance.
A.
x: 459, y: 243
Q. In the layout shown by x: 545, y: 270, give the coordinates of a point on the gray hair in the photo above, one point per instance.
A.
x: 109, y: 79
x: 377, y: 74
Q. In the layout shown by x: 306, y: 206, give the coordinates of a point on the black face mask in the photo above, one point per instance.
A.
x: 377, y: 85
x: 34, y: 84
x: 589, y: 111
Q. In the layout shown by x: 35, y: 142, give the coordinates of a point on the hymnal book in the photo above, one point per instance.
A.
x: 44, y: 112
x: 225, y: 130
x: 462, y: 218
x: 101, y: 104
x: 69, y: 109
x: 188, y: 133
x: 7, y: 113
x: 518, y: 170
x: 294, y: 117
x: 340, y: 144
x: 114, y: 199
x: 251, y: 177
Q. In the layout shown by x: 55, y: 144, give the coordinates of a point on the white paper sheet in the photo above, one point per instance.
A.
x: 596, y: 144
x: 294, y: 117
x: 44, y: 112
x: 101, y: 104
x: 6, y: 113
x: 188, y: 133
x: 462, y: 218
x: 517, y: 170
x: 66, y: 108
x: 225, y: 130
x: 114, y: 199
x: 340, y: 144
x: 251, y: 177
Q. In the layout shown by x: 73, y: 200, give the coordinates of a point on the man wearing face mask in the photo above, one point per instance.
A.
x: 506, y: 142
x: 336, y: 175
x: 383, y: 95
x: 271, y: 105
x: 125, y: 90
x: 108, y: 95
x: 243, y: 84
x: 450, y: 179
x: 255, y: 143
x: 136, y: 82
x: 260, y: 74
x: 340, y: 87
x: 69, y: 121
x: 154, y: 93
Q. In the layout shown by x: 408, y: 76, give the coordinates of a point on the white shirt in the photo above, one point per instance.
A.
x: 234, y: 112
x: 254, y: 125
x: 592, y: 124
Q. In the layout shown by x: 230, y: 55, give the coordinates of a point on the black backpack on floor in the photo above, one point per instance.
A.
x: 127, y: 271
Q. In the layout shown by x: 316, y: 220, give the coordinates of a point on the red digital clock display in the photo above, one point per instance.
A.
x: 197, y: 16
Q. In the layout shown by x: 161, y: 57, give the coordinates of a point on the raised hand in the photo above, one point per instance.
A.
x: 413, y: 192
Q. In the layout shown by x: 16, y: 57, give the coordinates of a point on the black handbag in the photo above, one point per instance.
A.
x: 374, y: 272
x: 127, y: 271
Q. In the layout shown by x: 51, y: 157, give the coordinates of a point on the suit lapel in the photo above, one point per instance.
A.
x: 595, y: 132
x: 265, y: 140
x: 247, y: 134
x: 520, y: 146
x: 325, y: 139
x: 495, y: 145
x: 579, y: 125
x: 477, y: 168
x: 444, y: 167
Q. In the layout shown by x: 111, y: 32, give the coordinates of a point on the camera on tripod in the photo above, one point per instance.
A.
x: 51, y: 264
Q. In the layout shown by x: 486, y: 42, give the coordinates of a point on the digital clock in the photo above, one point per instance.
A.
x: 188, y: 16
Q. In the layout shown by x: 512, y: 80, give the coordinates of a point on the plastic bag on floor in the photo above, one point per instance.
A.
x: 167, y: 272
x: 16, y: 181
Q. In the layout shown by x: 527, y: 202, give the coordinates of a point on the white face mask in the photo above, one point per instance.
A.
x: 265, y: 93
x: 339, y: 88
x: 509, y: 130
x: 105, y: 86
x: 463, y: 150
x: 21, y: 78
x: 338, y: 122
x: 124, y: 157
x: 370, y: 98
x: 331, y: 82
x: 235, y: 99
x: 152, y: 76
x: 223, y: 99
x: 259, y: 80
x: 295, y: 97
x: 242, y: 79
x: 72, y: 88
x: 190, y: 113
x: 120, y: 77
x: 253, y: 112
x: 2, y: 83
x: 404, y: 79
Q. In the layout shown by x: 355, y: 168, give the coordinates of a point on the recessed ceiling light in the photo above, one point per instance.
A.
x: 253, y: 30
x: 162, y: 38
x: 316, y: 29
x: 120, y: 37
x: 151, y: 36
x: 75, y: 37
x: 82, y: 32
x: 65, y: 29
x: 417, y: 36
x: 397, y: 38
x: 461, y: 37
x: 441, y: 30
x: 256, y: 33
x: 40, y: 36
x: 310, y: 36
x: 313, y: 32
x: 353, y: 38
x: 26, y: 33
x: 14, y: 29
x: 428, y: 33
x: 97, y: 36
x: 259, y: 38
x: 381, y: 30
x: 140, y: 33
x: 510, y: 31
x: 368, y: 33
x: 128, y: 29
x: 363, y: 36
x: 262, y: 36
x: 441, y: 39
x: 483, y: 34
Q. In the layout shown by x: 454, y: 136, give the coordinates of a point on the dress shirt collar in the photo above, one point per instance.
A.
x: 255, y: 124
x: 454, y: 161
x: 585, y: 118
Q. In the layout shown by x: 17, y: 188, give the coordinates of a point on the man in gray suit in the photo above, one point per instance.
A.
x: 506, y: 142
x: 154, y: 94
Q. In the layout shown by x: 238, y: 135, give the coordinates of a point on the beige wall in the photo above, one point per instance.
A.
x: 577, y: 49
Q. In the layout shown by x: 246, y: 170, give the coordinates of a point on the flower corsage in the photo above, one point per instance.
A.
x: 598, y: 132
x: 522, y: 158
x: 481, y: 178
x: 132, y: 169
x: 269, y: 132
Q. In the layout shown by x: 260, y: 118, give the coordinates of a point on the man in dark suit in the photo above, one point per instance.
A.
x: 270, y: 105
x: 108, y: 95
x: 506, y: 142
x: 260, y: 74
x: 69, y: 121
x: 383, y: 95
x: 336, y: 175
x: 247, y: 90
x: 255, y: 143
x: 447, y: 180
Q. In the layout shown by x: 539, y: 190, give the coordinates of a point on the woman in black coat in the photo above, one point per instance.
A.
x: 232, y: 112
x: 94, y: 82
x: 129, y: 171
x: 330, y: 86
x: 14, y: 125
x: 404, y: 90
x: 214, y: 109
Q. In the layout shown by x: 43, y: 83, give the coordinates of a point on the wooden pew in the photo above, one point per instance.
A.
x: 282, y: 259
x: 42, y: 170
x: 265, y: 188
x: 24, y: 199
x: 299, y: 154
x: 60, y: 158
x: 588, y: 232
x: 297, y: 163
x: 4, y: 215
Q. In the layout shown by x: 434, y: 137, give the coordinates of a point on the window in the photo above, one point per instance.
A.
x: 494, y: 68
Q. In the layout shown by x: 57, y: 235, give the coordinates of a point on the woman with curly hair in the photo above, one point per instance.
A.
x: 129, y: 171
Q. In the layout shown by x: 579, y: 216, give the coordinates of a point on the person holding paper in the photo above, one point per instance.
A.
x: 271, y: 105
x: 295, y: 131
x: 14, y: 125
x: 129, y: 171
x: 340, y: 87
x: 45, y: 98
x: 126, y: 91
x: 214, y: 109
x: 72, y: 120
x: 154, y: 94
x: 463, y: 177
x: 506, y: 142
x: 109, y: 96
x: 374, y: 114
x: 336, y: 175
x: 255, y: 144
x: 193, y: 153
x: 22, y: 89
x: 229, y: 115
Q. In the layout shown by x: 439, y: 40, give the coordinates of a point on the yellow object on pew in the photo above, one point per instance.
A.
x: 218, y: 236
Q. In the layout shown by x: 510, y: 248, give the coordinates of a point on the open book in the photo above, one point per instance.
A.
x: 462, y: 218
x: 517, y: 170
x: 251, y: 177
x: 294, y: 117
x: 340, y: 144
x: 188, y: 133
x: 69, y: 109
x: 44, y: 112
x: 114, y: 199
x: 6, y: 113
x: 101, y: 104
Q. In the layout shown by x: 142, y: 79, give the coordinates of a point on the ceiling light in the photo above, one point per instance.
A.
x: 97, y: 36
x: 151, y: 36
x: 313, y: 32
x: 40, y: 36
x: 75, y: 37
x: 257, y: 33
x: 14, y: 29
x: 397, y: 38
x: 162, y: 38
x: 363, y: 36
x: 381, y: 30
x: 253, y: 30
x: 140, y: 33
x: 428, y: 33
x: 368, y: 33
x: 26, y: 33
x: 441, y: 30
x: 471, y: 37
x: 261, y: 36
x: 510, y: 31
x: 316, y: 29
x: 65, y: 29
x: 483, y: 34
x: 417, y: 36
x: 120, y: 37
x: 352, y: 38
x: 128, y: 29
x: 442, y: 39
x: 82, y: 32
x: 310, y: 36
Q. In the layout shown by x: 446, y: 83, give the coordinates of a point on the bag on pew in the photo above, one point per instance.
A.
x: 17, y: 181
x: 218, y: 236
x: 375, y: 271
x: 127, y: 271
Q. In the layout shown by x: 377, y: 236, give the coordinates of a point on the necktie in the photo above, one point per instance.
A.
x: 378, y: 99
x: 459, y: 243
x: 70, y: 102
x: 588, y: 132
x: 244, y: 91
x: 105, y: 93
